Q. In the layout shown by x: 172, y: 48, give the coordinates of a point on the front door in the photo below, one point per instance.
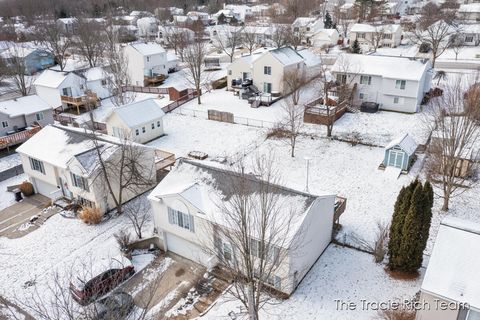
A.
x: 396, y: 158
x: 66, y: 192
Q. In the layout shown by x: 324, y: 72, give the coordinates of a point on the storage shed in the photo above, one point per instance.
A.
x: 400, y: 152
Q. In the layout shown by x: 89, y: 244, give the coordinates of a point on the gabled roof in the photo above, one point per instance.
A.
x: 452, y: 271
x: 148, y: 48
x: 363, y: 27
x: 140, y: 112
x: 287, y: 56
x: 405, y: 142
x: 469, y: 8
x: 52, y: 78
x: 23, y: 106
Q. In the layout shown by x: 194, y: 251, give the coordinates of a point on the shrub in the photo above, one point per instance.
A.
x: 123, y: 240
x: 90, y: 215
x: 27, y: 189
x: 397, y: 314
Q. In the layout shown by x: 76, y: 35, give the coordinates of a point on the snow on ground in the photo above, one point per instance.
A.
x: 471, y: 54
x: 342, y: 275
x: 8, y: 198
x: 218, y: 139
x: 180, y: 79
x: 10, y: 161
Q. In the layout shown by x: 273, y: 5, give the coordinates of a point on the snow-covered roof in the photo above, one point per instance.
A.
x: 21, y: 52
x: 405, y: 142
x: 405, y: 68
x: 287, y: 56
x: 363, y: 27
x: 311, y: 59
x: 94, y: 74
x: 140, y: 112
x: 452, y: 271
x: 469, y: 28
x: 51, y: 78
x: 303, y: 21
x: 67, y: 20
x: 469, y: 8
x: 23, y: 106
x: 206, y: 187
x: 148, y: 48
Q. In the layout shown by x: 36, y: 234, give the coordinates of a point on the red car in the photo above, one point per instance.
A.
x: 118, y: 270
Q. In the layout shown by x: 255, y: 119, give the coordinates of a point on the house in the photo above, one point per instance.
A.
x: 147, y: 27
x: 183, y: 20
x: 470, y: 34
x: 266, y: 69
x: 370, y: 35
x: 140, y: 121
x: 20, y: 113
x: 469, y: 12
x: 399, y: 153
x: 199, y: 16
x: 32, y: 59
x: 62, y: 162
x: 450, y: 286
x: 243, y: 12
x: 67, y: 89
x: 307, y: 26
x: 147, y: 63
x: 168, y: 34
x: 401, y: 88
x: 185, y: 206
x: 68, y: 25
x: 324, y: 37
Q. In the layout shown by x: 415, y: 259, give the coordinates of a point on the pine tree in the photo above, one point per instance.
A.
x: 355, y: 47
x: 426, y: 216
x: 327, y: 23
x: 396, y: 228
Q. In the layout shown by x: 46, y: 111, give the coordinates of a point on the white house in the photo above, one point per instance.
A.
x: 451, y: 284
x: 140, y: 121
x: 469, y: 12
x: 324, y: 37
x: 63, y: 162
x: 307, y: 26
x: 20, y: 113
x: 166, y: 33
x: 185, y: 207
x: 395, y: 83
x: 147, y: 27
x: 369, y: 35
x: 267, y: 68
x: 470, y: 34
x: 68, y: 25
x: 146, y: 60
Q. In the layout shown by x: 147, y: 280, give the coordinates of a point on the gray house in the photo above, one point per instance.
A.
x: 18, y: 114
x: 399, y: 152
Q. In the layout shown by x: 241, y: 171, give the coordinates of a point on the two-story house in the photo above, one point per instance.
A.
x: 306, y: 27
x: 147, y: 27
x: 400, y: 88
x: 389, y: 35
x: 267, y: 68
x: 186, y: 207
x: 140, y: 121
x: 469, y: 12
x: 32, y: 60
x: 147, y: 63
x: 63, y: 162
x: 450, y: 288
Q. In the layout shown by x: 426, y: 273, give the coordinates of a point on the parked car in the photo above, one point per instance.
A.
x: 105, y: 278
x: 114, y: 306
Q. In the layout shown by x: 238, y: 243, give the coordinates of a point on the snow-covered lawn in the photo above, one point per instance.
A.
x: 10, y: 161
x: 340, y: 275
x: 8, y: 198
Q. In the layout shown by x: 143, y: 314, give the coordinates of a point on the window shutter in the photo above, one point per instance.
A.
x: 170, y: 216
x: 192, y: 224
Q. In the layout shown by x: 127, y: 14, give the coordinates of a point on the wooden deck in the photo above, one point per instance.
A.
x: 164, y: 159
x: 154, y: 80
x: 18, y: 137
x: 88, y: 101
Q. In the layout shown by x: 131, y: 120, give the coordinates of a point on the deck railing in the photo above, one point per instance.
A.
x: 18, y: 137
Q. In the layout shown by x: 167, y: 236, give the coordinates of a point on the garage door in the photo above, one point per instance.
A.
x: 45, y: 188
x: 186, y: 249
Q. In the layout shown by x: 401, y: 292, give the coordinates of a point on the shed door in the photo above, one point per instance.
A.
x: 396, y: 158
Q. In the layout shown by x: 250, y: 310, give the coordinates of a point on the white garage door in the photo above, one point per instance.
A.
x: 45, y: 188
x: 186, y: 249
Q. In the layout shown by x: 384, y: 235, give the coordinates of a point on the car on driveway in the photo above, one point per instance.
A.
x: 105, y: 278
x: 114, y: 306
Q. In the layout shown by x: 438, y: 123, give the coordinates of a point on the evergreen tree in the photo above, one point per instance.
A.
x: 426, y: 216
x: 328, y: 23
x: 355, y: 47
x: 221, y: 18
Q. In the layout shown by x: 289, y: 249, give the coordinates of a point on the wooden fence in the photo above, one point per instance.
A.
x: 18, y: 137
x: 221, y: 116
x: 192, y: 94
x: 141, y: 89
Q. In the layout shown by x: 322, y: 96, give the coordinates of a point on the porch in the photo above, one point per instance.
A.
x: 163, y: 160
x: 153, y: 80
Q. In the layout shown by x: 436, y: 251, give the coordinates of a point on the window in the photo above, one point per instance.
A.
x: 4, y: 124
x: 148, y: 59
x: 39, y: 116
x: 37, y: 165
x: 272, y: 280
x: 79, y: 182
x: 267, y: 70
x: 365, y: 79
x: 153, y: 126
x: 400, y: 84
x: 361, y: 96
x: 67, y: 92
x: 396, y: 100
x: 227, y: 251
x: 361, y: 35
x: 256, y: 250
x: 104, y: 82
x: 159, y: 124
x: 342, y: 78
x: 85, y: 203
x: 473, y: 315
x: 308, y: 28
x: 387, y: 36
x: 137, y: 132
x: 181, y: 219
x: 143, y: 130
x: 267, y: 87
x: 229, y: 72
x: 469, y: 39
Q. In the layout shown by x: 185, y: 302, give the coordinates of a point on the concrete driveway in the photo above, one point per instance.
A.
x: 16, y: 220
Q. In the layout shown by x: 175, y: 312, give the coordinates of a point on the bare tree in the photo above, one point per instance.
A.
x: 453, y: 119
x: 249, y: 38
x: 90, y: 40
x: 377, y: 37
x: 176, y: 39
x: 194, y: 57
x: 251, y: 237
x: 138, y: 213
x: 281, y: 35
x: 55, y: 41
x: 457, y: 43
x: 227, y: 39
x: 435, y: 35
x: 17, y: 69
x: 292, y: 123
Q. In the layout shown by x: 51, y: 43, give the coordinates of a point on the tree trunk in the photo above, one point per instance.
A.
x: 252, y: 312
x: 446, y: 201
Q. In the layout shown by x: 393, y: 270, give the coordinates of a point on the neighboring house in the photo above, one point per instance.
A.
x: 370, y: 35
x: 168, y: 34
x: 242, y: 11
x: 18, y: 114
x: 97, y: 80
x: 147, y: 62
x: 185, y: 209
x: 399, y: 153
x: 469, y: 12
x: 68, y: 25
x: 470, y: 34
x: 451, y: 284
x: 267, y: 69
x: 33, y: 60
x: 182, y: 20
x: 324, y: 37
x: 141, y: 121
x: 63, y: 162
x: 199, y: 16
x: 147, y: 27
x: 307, y: 26
x: 69, y: 89
x: 395, y: 83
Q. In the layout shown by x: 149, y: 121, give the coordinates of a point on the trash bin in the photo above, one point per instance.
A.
x: 18, y: 195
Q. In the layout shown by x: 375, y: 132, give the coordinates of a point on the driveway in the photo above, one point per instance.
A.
x: 25, y: 216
